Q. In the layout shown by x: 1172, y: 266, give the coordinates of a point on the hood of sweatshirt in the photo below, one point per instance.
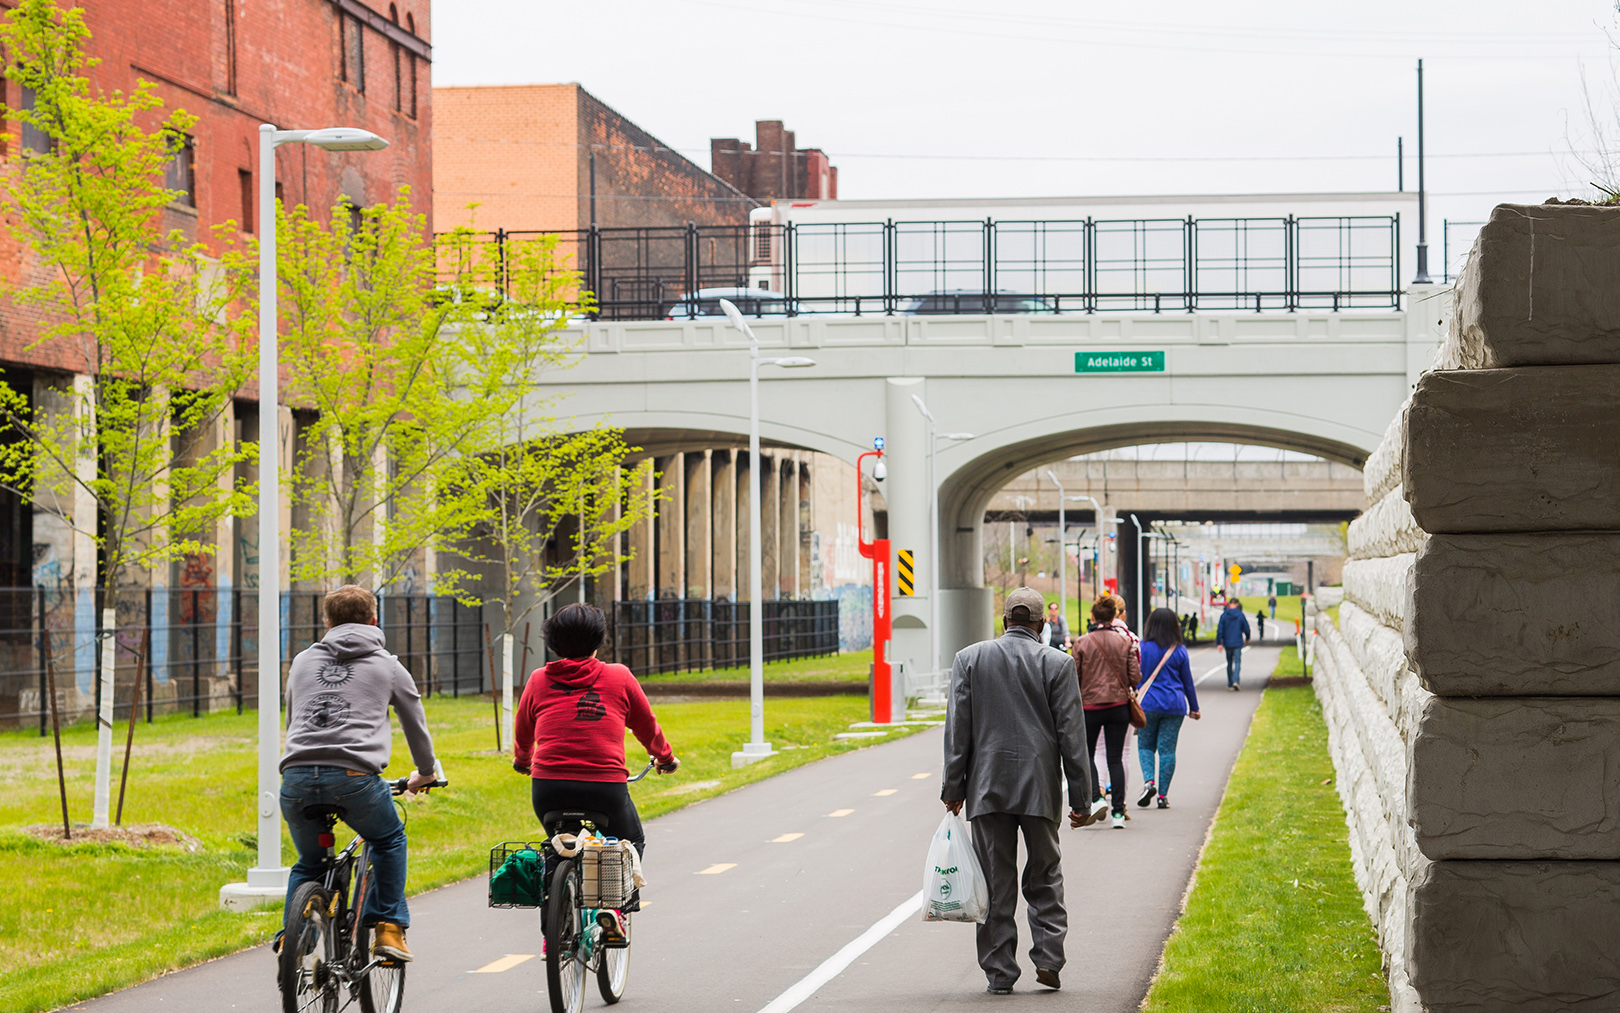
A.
x: 573, y: 673
x: 351, y: 640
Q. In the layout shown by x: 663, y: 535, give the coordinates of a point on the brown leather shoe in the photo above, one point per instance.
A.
x: 390, y: 943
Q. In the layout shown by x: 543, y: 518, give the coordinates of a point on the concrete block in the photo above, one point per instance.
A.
x: 1382, y: 472
x: 1517, y: 615
x: 1538, y: 290
x: 1380, y: 586
x: 1524, y: 449
x: 1386, y: 528
x: 1516, y: 778
x: 1531, y: 937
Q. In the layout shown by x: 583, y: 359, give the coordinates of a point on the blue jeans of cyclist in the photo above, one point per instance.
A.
x: 1157, y: 740
x: 368, y: 808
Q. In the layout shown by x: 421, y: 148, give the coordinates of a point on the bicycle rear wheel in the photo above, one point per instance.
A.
x: 615, y: 968
x: 383, y: 990
x: 565, y: 941
x: 308, y: 954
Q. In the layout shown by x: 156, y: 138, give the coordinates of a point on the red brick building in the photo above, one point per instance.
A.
x: 773, y: 168
x: 234, y: 64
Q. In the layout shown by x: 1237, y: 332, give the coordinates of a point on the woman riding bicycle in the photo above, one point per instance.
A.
x: 569, y: 735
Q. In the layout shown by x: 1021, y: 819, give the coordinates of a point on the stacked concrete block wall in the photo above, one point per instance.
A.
x: 1492, y: 548
x: 1369, y: 699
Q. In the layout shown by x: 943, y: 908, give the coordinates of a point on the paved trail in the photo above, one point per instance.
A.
x: 752, y: 892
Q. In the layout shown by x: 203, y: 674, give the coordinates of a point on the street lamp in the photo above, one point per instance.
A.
x: 756, y: 748
x: 1096, y: 514
x: 933, y: 529
x: 268, y: 879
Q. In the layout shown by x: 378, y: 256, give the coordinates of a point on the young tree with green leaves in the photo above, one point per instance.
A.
x: 140, y: 459
x: 546, y: 504
x: 398, y: 394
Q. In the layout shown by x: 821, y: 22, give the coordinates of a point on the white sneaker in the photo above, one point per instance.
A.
x: 1099, y: 809
x: 1119, y: 821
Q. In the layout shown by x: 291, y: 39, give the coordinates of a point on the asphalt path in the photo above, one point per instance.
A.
x: 803, y: 892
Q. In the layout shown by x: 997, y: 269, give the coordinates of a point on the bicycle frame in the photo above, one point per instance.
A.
x: 351, y: 865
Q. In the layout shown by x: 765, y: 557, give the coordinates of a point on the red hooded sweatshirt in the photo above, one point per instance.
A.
x: 570, y: 723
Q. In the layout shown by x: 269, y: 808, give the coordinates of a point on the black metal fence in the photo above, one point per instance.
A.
x: 1081, y: 266
x: 195, y: 650
x: 695, y: 634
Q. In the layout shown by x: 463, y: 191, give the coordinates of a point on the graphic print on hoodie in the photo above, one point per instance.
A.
x: 569, y: 725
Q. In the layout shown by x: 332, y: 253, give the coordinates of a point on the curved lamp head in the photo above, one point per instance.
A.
x: 790, y: 362
x: 345, y: 139
x: 957, y: 436
x: 734, y: 316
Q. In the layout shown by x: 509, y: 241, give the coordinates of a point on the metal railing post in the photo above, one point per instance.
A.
x: 236, y: 644
x: 891, y: 267
x: 790, y: 266
x: 1291, y: 262
x: 1088, y: 295
x: 690, y: 257
x: 988, y: 242
x: 1189, y: 274
x: 39, y: 656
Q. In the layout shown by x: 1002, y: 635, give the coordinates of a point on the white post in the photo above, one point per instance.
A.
x: 1140, y: 625
x: 1063, y: 550
x: 756, y: 748
x: 508, y: 665
x: 933, y: 548
x: 100, y: 818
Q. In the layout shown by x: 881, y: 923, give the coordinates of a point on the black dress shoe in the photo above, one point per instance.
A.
x: 1048, y: 977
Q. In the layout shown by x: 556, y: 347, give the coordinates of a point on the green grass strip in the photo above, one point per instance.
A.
x: 1274, y: 921
x: 80, y: 920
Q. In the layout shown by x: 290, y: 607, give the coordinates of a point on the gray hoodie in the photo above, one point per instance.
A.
x: 338, y: 694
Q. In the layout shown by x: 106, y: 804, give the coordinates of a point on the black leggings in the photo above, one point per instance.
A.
x: 1113, y: 722
x: 610, y: 798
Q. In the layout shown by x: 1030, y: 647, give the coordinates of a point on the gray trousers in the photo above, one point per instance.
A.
x: 995, y: 841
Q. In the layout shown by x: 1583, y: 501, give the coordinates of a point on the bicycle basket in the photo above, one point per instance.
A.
x: 517, y: 874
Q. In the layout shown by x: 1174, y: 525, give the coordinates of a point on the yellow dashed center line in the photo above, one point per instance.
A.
x: 717, y: 868
x: 785, y: 838
x: 506, y: 963
x: 885, y: 791
x: 919, y: 777
x: 840, y: 812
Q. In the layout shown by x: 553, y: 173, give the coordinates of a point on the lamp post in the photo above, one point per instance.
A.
x: 1096, y: 508
x: 756, y: 748
x: 933, y: 529
x: 268, y: 879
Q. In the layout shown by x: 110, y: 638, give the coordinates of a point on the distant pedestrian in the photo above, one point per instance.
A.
x: 1232, y: 632
x: 1056, y: 631
x: 1110, y: 667
x: 1192, y: 627
x: 1169, y: 699
x: 1013, y: 733
x: 1272, y: 602
x: 1260, y: 623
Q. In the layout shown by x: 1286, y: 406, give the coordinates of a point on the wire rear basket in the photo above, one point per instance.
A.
x: 515, y: 880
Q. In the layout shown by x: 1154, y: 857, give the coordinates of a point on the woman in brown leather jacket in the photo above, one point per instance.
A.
x: 1110, y: 664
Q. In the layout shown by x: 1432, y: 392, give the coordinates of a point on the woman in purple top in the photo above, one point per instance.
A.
x: 1171, y: 698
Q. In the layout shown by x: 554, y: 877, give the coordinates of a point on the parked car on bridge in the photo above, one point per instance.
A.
x: 705, y: 302
x: 962, y: 300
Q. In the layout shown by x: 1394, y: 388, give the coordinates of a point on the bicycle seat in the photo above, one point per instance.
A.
x: 315, y: 812
x: 570, y: 821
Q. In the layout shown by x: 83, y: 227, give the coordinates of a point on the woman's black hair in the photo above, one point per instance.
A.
x: 576, y: 631
x: 1163, y: 628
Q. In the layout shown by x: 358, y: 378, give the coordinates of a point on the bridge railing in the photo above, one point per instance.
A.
x: 953, y: 267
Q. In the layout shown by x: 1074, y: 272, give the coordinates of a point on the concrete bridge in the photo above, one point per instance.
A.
x: 1319, y: 382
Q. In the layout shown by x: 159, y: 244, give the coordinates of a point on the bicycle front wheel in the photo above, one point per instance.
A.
x: 615, y: 968
x: 308, y: 984
x: 565, y: 941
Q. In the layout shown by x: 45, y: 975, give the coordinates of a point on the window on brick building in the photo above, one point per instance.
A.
x: 398, y: 53
x: 244, y: 182
x: 410, y: 83
x: 230, y: 47
x: 180, y: 175
x: 354, y: 52
x: 33, y: 138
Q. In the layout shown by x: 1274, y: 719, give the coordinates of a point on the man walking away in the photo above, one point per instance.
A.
x: 1013, y: 731
x: 1232, y: 632
x: 1272, y: 602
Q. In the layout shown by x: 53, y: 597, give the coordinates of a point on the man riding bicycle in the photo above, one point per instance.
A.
x: 339, y: 690
x: 570, y: 723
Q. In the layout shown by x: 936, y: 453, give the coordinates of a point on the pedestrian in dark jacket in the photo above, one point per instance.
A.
x: 1260, y: 622
x: 1168, y: 700
x: 1232, y: 632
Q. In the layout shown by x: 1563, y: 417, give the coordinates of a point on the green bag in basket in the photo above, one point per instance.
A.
x: 520, y: 880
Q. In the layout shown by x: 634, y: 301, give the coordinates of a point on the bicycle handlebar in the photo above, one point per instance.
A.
x: 644, y: 771
x: 398, y: 787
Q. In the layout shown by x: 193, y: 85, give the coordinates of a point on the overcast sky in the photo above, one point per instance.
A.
x: 957, y: 98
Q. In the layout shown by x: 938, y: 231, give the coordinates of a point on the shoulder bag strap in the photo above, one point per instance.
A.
x: 1143, y: 692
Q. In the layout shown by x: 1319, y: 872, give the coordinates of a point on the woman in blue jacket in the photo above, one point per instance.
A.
x: 1170, y: 698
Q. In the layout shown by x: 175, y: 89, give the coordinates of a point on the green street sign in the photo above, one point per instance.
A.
x: 1119, y: 362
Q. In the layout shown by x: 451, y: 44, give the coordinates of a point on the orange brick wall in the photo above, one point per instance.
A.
x: 513, y: 151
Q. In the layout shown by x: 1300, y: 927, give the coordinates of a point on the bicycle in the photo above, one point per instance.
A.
x: 578, y: 939
x: 325, y: 947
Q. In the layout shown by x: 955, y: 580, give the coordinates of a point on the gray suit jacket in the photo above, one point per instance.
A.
x: 1014, y: 720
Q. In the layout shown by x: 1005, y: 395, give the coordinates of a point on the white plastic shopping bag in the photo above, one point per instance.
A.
x: 954, y: 889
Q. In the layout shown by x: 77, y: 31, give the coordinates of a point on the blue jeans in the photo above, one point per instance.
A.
x: 1158, y: 737
x: 367, y: 806
x: 1234, y: 665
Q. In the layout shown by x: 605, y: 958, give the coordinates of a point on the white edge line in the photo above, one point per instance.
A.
x: 830, y: 968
